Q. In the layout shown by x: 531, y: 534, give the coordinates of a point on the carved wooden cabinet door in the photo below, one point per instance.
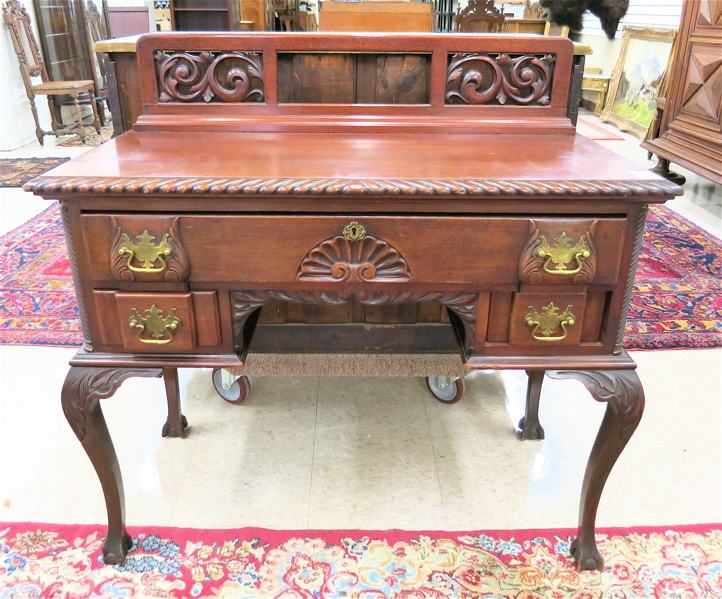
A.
x: 692, y: 124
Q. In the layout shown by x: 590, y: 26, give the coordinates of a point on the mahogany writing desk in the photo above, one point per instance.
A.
x: 371, y: 170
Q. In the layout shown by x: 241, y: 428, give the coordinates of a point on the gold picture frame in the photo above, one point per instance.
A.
x: 633, y: 89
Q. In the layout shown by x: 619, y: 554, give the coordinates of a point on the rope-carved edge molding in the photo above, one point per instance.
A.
x: 363, y: 187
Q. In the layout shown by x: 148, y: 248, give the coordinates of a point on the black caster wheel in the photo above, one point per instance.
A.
x: 447, y: 389
x: 233, y: 390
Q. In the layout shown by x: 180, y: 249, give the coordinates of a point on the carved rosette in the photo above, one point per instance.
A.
x: 159, y: 256
x: 210, y: 77
x: 462, y: 304
x: 339, y: 259
x: 562, y: 260
x: 500, y: 79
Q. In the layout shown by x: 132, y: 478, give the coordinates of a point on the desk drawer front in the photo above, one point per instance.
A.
x: 352, y: 249
x: 157, y: 322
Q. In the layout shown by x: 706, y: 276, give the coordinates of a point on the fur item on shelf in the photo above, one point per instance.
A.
x: 569, y: 13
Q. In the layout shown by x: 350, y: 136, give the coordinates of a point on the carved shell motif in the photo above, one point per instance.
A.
x: 338, y: 259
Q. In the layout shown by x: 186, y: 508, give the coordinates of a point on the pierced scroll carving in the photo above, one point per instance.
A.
x: 150, y: 256
x: 340, y: 259
x: 210, y: 77
x: 462, y: 304
x: 562, y: 260
x: 500, y: 78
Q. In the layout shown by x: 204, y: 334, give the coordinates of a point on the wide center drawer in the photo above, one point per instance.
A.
x: 345, y: 249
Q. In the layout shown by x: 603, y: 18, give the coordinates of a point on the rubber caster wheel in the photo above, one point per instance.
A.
x: 447, y: 389
x: 233, y: 390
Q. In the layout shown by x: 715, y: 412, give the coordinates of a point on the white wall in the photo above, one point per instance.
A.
x: 17, y: 127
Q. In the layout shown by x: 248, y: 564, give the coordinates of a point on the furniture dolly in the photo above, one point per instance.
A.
x: 357, y: 172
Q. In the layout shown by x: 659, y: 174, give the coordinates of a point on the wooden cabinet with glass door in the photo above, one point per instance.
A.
x: 67, y: 31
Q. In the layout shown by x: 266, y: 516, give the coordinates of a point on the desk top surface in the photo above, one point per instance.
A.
x: 218, y: 161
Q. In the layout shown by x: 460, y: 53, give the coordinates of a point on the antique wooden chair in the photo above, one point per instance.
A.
x: 97, y: 31
x: 31, y: 66
x: 479, y: 16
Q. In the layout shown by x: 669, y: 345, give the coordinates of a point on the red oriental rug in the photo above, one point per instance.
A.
x: 676, y: 301
x: 54, y: 561
x: 595, y: 132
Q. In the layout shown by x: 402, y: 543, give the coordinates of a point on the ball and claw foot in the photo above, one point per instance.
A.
x: 175, y: 430
x: 534, y: 431
x: 115, y: 550
x: 586, y: 555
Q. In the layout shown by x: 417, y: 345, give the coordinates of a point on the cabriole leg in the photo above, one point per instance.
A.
x: 82, y: 390
x: 530, y: 427
x: 623, y: 393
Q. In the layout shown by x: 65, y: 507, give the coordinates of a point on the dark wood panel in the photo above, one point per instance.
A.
x: 340, y: 338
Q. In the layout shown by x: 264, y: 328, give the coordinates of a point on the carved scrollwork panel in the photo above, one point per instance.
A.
x: 462, y: 304
x: 559, y: 260
x: 500, y: 79
x: 150, y: 256
x: 210, y: 77
x: 340, y: 259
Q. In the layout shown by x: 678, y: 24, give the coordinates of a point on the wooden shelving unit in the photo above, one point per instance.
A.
x: 205, y: 15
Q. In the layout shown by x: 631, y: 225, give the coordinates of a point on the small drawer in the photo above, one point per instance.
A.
x: 547, y: 319
x: 136, y: 248
x: 157, y: 322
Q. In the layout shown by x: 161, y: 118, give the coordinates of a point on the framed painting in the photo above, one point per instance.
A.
x: 635, y: 80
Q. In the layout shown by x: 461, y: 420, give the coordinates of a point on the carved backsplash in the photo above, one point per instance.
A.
x: 229, y: 77
x: 500, y: 79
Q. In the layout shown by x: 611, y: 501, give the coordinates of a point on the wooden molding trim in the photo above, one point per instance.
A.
x: 353, y: 187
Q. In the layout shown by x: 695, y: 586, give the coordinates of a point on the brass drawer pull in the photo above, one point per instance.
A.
x: 548, y: 321
x: 562, y: 254
x: 146, y: 252
x: 354, y: 232
x: 160, y: 329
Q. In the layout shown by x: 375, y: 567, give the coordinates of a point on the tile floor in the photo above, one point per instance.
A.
x: 305, y: 453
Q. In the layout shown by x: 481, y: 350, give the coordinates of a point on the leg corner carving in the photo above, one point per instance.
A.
x: 622, y: 391
x: 82, y: 390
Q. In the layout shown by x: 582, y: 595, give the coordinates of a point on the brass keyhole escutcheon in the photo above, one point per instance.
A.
x: 544, y: 324
x: 354, y: 232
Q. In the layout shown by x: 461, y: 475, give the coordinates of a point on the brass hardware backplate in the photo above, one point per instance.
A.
x: 354, y: 232
x: 146, y: 252
x: 562, y: 254
x: 157, y: 329
x: 548, y: 321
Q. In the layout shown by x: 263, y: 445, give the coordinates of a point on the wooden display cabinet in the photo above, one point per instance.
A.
x: 67, y: 31
x: 205, y: 15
